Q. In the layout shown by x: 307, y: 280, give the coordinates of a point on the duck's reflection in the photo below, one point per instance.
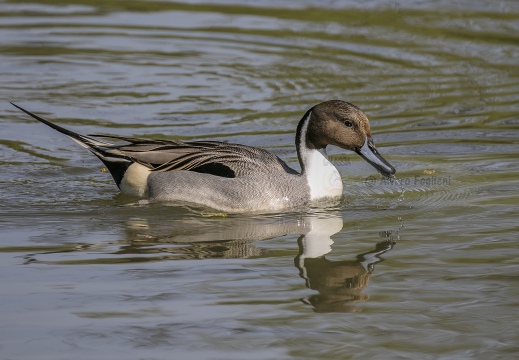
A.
x: 339, y: 284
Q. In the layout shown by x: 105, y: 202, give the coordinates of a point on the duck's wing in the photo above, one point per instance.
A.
x: 212, y: 157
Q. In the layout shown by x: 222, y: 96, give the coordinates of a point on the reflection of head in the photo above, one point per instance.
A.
x: 335, y: 277
x: 338, y: 283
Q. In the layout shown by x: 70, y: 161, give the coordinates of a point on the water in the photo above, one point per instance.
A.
x: 425, y: 267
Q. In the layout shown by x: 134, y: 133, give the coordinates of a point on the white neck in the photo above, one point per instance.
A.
x: 322, y: 176
x: 317, y: 242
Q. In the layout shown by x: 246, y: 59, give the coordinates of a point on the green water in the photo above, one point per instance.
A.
x: 423, y: 269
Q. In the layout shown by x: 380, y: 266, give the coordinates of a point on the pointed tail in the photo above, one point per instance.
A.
x: 85, y: 141
x: 116, y: 162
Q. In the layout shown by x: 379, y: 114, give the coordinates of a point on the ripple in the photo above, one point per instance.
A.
x: 88, y: 271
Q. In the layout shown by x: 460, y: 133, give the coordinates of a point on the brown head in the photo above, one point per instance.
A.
x: 342, y: 124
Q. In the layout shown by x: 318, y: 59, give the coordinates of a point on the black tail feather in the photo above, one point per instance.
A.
x: 85, y: 141
x: 116, y: 163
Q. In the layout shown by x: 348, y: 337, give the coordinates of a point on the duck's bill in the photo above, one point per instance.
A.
x: 371, y: 155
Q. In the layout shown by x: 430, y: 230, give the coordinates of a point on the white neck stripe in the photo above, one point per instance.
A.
x: 322, y: 176
x: 301, y: 146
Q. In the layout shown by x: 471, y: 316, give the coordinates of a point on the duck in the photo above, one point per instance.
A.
x: 235, y: 178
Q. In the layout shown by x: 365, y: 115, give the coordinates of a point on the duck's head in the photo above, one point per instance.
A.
x: 344, y: 125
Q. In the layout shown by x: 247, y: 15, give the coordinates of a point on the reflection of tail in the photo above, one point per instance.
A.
x: 116, y: 162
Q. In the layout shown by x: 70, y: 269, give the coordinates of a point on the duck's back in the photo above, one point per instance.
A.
x: 210, y: 157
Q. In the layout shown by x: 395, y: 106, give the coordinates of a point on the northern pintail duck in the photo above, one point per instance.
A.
x: 238, y: 178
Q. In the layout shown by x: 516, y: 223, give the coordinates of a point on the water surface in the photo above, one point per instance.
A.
x: 428, y: 273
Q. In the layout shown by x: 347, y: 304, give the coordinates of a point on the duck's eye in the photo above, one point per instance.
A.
x: 348, y: 123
